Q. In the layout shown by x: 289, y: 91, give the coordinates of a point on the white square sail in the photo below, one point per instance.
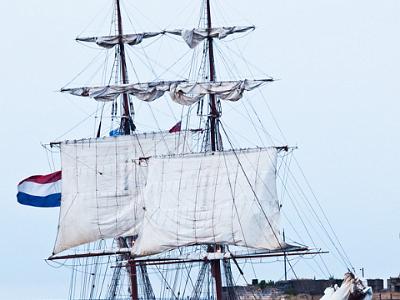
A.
x: 102, y: 182
x: 225, y: 197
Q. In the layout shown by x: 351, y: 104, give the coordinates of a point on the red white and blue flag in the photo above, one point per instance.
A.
x: 40, y: 190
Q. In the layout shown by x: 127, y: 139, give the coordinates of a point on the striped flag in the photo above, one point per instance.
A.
x: 40, y: 190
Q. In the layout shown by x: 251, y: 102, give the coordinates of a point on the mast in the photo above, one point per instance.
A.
x: 126, y: 121
x: 214, y: 113
x: 126, y: 124
x: 216, y: 272
x: 215, y: 144
x: 133, y: 278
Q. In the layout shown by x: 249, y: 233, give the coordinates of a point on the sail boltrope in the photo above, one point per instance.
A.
x: 102, y: 184
x: 184, y: 93
x: 194, y: 37
x: 113, y: 40
x: 226, y: 197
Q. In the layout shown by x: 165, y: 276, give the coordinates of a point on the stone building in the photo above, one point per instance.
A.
x: 306, y: 286
x: 375, y: 284
x: 393, y: 284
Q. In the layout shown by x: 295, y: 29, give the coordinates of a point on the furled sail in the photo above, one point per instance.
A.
x: 182, y: 92
x: 186, y: 93
x: 144, y: 91
x: 192, y: 37
x: 195, y: 36
x: 111, y: 41
x: 102, y: 181
x: 226, y: 197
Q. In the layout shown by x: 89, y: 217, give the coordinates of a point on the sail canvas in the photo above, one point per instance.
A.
x: 227, y: 197
x: 102, y: 184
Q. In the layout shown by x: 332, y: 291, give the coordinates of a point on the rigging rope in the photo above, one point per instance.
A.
x: 254, y: 193
x: 341, y: 253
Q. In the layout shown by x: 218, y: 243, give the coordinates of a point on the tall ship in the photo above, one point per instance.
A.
x: 178, y: 212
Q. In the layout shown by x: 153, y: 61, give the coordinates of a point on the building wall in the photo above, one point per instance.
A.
x: 375, y: 284
x: 386, y: 295
x: 306, y: 286
x: 393, y: 284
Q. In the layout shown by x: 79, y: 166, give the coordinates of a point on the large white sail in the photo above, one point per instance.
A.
x: 225, y: 197
x: 102, y: 181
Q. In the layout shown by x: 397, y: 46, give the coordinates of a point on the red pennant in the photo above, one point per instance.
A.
x: 176, y: 127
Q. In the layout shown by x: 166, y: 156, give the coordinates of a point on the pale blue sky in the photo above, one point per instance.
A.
x: 337, y: 99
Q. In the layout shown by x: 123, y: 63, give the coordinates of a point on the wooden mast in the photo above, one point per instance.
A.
x: 125, y: 118
x: 133, y: 279
x: 215, y: 144
x: 126, y: 129
x: 214, y: 113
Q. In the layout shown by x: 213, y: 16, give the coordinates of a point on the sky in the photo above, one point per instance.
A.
x: 336, y: 99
